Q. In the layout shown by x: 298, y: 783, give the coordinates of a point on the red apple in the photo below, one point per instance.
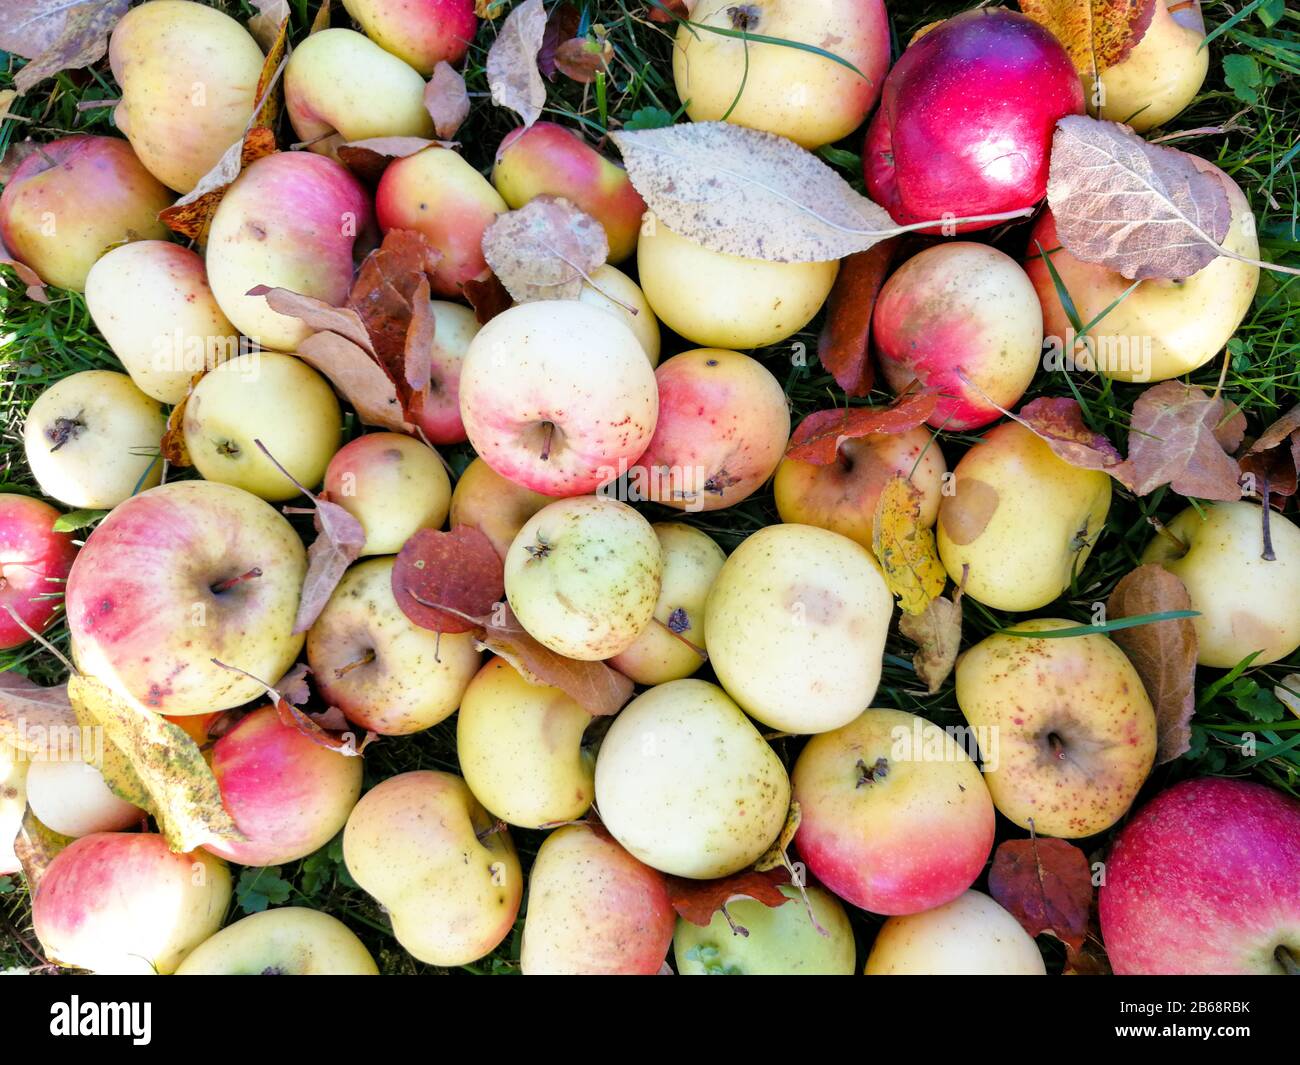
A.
x: 34, y: 561
x: 966, y: 118
x: 423, y: 32
x: 1205, y: 879
x: 286, y: 793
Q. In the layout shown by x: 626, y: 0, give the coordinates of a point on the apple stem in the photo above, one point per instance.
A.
x: 1160, y: 528
x: 548, y: 432
x: 356, y: 663
x: 704, y: 655
x: 736, y: 929
x: 491, y: 830
x: 1287, y: 960
x: 230, y: 582
x: 1268, y: 554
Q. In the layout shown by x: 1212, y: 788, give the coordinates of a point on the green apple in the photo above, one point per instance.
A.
x: 290, y: 941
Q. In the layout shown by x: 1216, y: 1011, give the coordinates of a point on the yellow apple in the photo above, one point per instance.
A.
x: 612, y: 290
x: 70, y: 797
x: 289, y: 941
x: 495, y: 506
x: 725, y: 301
x: 970, y: 936
x: 1021, y: 521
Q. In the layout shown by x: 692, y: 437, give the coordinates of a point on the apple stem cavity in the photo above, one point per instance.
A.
x: 548, y: 432
x: 870, y: 774
x: 230, y: 582
x: 1289, y: 962
x: 65, y: 429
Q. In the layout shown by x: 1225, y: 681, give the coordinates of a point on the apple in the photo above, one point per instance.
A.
x: 289, y: 941
x: 1160, y: 75
x: 795, y: 93
x: 34, y: 562
x: 842, y: 496
x: 612, y: 290
x: 1163, y: 328
x: 189, y: 76
x: 492, y: 504
x: 687, y: 784
x: 176, y: 577
x: 549, y: 160
x: 291, y: 220
x: 520, y: 746
x: 338, y: 81
x: 242, y: 401
x: 583, y: 576
x: 422, y: 32
x: 68, y: 203
x: 672, y: 645
x: 1205, y: 879
x: 777, y: 940
x: 121, y: 903
x: 287, y: 794
x: 151, y: 301
x: 439, y: 414
x: 428, y: 852
x: 593, y: 909
x: 1020, y: 522
x: 437, y: 193
x: 1245, y: 604
x: 70, y: 797
x: 92, y: 440
x: 966, y: 118
x: 896, y: 818
x: 795, y: 627
x: 1075, y: 733
x: 558, y: 396
x: 718, y: 300
x: 385, y: 673
x: 13, y: 804
x: 964, y: 321
x: 393, y: 485
x: 970, y: 936
x: 722, y: 429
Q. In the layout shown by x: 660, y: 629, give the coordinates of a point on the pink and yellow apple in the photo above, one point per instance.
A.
x: 422, y: 32
x: 497, y: 507
x: 546, y: 159
x: 34, y: 562
x: 71, y: 201
x: 896, y: 818
x: 970, y: 936
x: 286, y: 941
x: 438, y: 415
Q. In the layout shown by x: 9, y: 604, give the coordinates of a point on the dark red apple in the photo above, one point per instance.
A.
x: 1206, y: 879
x: 966, y: 118
x: 34, y: 561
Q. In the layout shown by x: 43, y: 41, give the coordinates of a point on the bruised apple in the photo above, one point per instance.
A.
x: 428, y: 852
x: 497, y: 507
x: 970, y: 936
x: 593, y: 909
x: 687, y: 784
x: 288, y: 941
x: 1074, y: 729
x: 1021, y: 521
x: 34, y: 563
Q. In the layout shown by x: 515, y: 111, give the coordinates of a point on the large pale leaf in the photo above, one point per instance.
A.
x: 545, y: 250
x: 32, y: 717
x: 56, y: 35
x: 512, y: 71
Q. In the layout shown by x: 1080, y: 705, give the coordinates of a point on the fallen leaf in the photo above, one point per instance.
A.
x: 417, y: 358
x: 459, y: 570
x: 1288, y: 692
x: 594, y: 686
x: 1162, y: 652
x: 1058, y: 422
x: 339, y: 542
x: 330, y: 730
x: 561, y: 26
x: 358, y: 378
x: 35, y: 846
x: 172, y: 445
x: 906, y: 548
x: 186, y: 801
x: 1272, y: 462
x: 293, y: 685
x: 512, y: 72
x: 265, y: 25
x: 1046, y: 885
x: 749, y: 193
x: 317, y: 314
x: 322, y: 19
x: 487, y: 296
x: 545, y: 250
x: 1181, y: 436
x: 937, y: 633
x: 32, y: 718
x: 671, y: 10
x: 580, y: 59
x: 844, y: 344
x: 34, y: 286
x: 697, y: 901
x: 818, y: 437
x: 1141, y: 209
x: 1097, y: 34
x: 56, y: 35
x: 384, y: 295
x: 446, y: 100
x: 7, y: 98
x: 775, y: 857
x: 368, y: 159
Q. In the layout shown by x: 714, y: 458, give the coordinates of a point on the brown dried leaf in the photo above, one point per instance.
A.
x: 317, y: 314
x: 1272, y: 462
x: 1046, y: 885
x: 191, y: 215
x: 458, y: 571
x: 446, y: 100
x: 417, y: 357
x: 817, y: 438
x: 581, y: 58
x: 844, y: 344
x: 31, y: 716
x: 1142, y: 209
x: 271, y: 16
x: 339, y: 541
x: 322, y: 19
x: 56, y: 35
x: 512, y: 71
x: 670, y: 10
x: 697, y: 901
x: 487, y: 296
x: 1181, y: 436
x: 1097, y: 34
x: 1058, y: 422
x: 562, y: 25
x: 1162, y: 652
x: 174, y: 451
x: 35, y: 847
x: 368, y: 159
x: 358, y: 378
x: 937, y: 633
x: 545, y: 250
x: 384, y: 294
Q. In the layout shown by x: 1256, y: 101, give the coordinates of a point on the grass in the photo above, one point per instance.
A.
x: 1251, y: 99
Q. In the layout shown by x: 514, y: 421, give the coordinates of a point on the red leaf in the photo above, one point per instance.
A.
x: 1046, y: 885
x: 843, y: 346
x: 487, y: 296
x: 582, y: 58
x: 1273, y: 461
x: 325, y: 730
x: 459, y: 570
x: 680, y: 8
x: 385, y: 291
x: 1058, y: 422
x: 561, y: 26
x: 698, y: 900
x: 817, y: 439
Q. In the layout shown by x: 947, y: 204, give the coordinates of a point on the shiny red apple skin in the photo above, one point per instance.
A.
x: 1205, y: 879
x: 966, y: 118
x: 34, y: 562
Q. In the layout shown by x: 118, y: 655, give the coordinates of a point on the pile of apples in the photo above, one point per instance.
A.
x: 184, y: 598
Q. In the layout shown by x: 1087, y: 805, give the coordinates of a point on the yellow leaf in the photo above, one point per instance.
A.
x: 35, y: 847
x: 1097, y: 34
x: 775, y: 855
x: 906, y: 549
